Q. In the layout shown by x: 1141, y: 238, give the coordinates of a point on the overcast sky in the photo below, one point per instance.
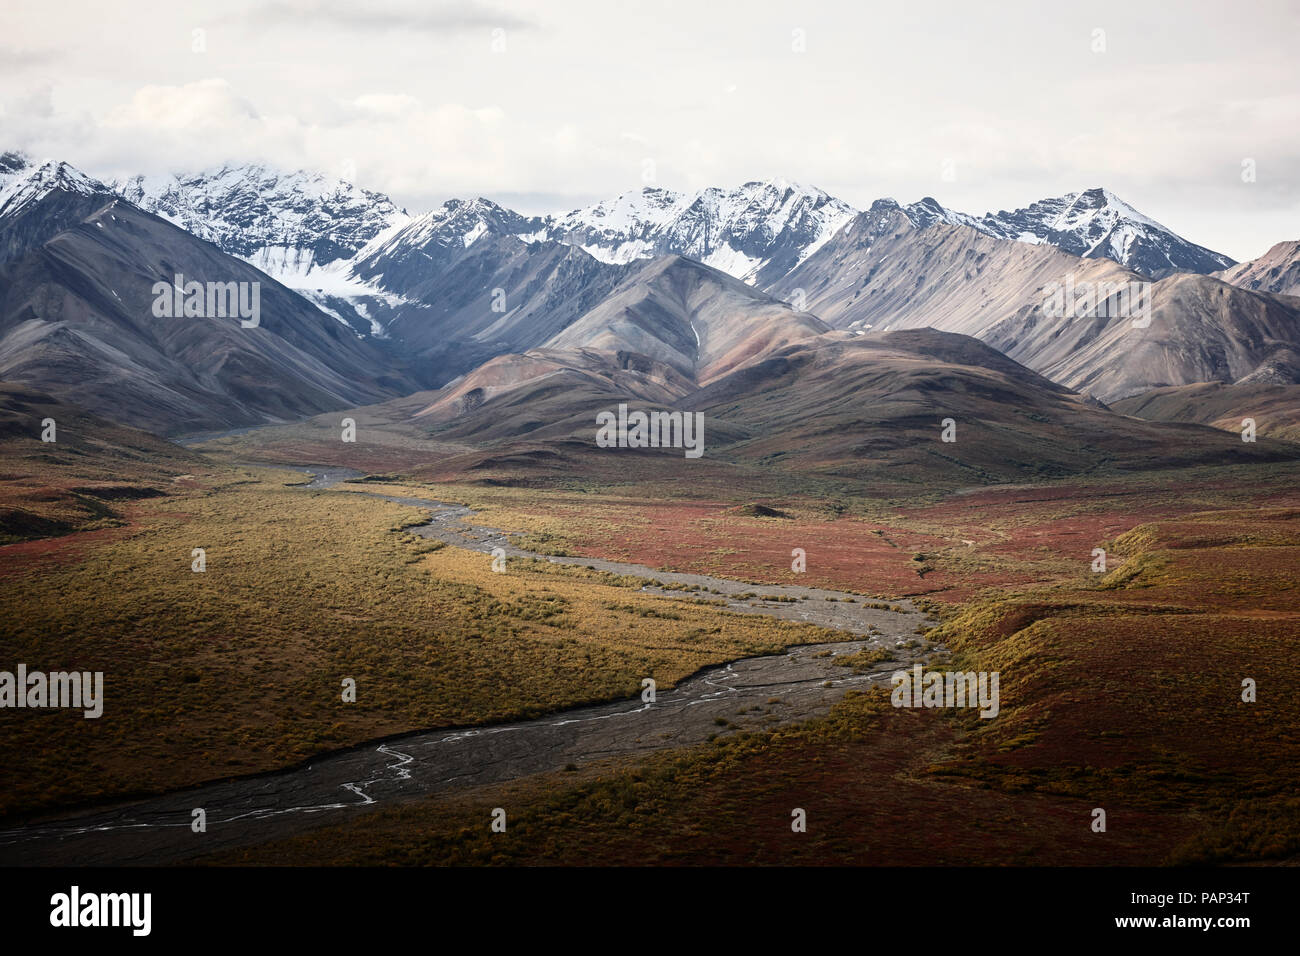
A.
x: 546, y: 106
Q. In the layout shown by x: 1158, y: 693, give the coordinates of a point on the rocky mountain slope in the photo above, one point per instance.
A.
x: 882, y: 272
x: 78, y: 319
x: 1276, y: 271
x: 698, y: 320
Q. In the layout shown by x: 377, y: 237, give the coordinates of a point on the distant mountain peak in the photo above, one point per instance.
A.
x: 1276, y: 271
x: 26, y: 183
x: 1096, y: 223
x: 290, y: 224
x: 756, y: 231
x: 459, y: 222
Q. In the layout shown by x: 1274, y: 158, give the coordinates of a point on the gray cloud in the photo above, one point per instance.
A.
x: 17, y: 60
x: 442, y: 16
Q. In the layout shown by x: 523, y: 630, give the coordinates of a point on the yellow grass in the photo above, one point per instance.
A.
x: 239, y: 669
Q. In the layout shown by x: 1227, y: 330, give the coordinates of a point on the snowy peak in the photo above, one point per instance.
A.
x: 1092, y: 224
x: 22, y: 183
x: 622, y: 229
x: 460, y: 222
x: 758, y: 230
x: 928, y: 211
x: 634, y: 214
x: 1098, y: 203
x: 755, y: 232
x: 288, y: 224
x: 1095, y: 224
x: 40, y: 200
x: 406, y: 256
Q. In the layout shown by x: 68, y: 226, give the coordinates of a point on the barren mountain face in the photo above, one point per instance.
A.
x: 689, y: 316
x: 876, y: 402
x: 1201, y: 330
x: 1274, y: 410
x: 864, y: 406
x: 1276, y: 271
x: 1119, y: 333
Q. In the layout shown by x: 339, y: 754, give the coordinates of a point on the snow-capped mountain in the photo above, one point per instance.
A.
x: 456, y: 224
x: 442, y: 270
x: 1094, y: 224
x: 760, y: 231
x: 310, y: 231
x: 359, y: 257
x: 928, y: 211
x: 79, y: 317
x: 291, y: 225
x: 755, y: 232
x: 40, y: 200
x: 23, y: 182
x: 436, y: 296
x: 1098, y: 224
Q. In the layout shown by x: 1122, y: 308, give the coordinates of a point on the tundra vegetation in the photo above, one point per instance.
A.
x: 238, y: 669
x: 1122, y: 690
x: 1109, y: 680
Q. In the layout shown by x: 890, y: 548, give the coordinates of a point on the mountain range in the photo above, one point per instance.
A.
x: 666, y: 293
x: 296, y: 225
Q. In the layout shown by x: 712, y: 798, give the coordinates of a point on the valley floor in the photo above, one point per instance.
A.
x: 1120, y: 689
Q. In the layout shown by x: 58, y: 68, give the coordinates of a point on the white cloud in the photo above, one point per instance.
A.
x: 208, y: 105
